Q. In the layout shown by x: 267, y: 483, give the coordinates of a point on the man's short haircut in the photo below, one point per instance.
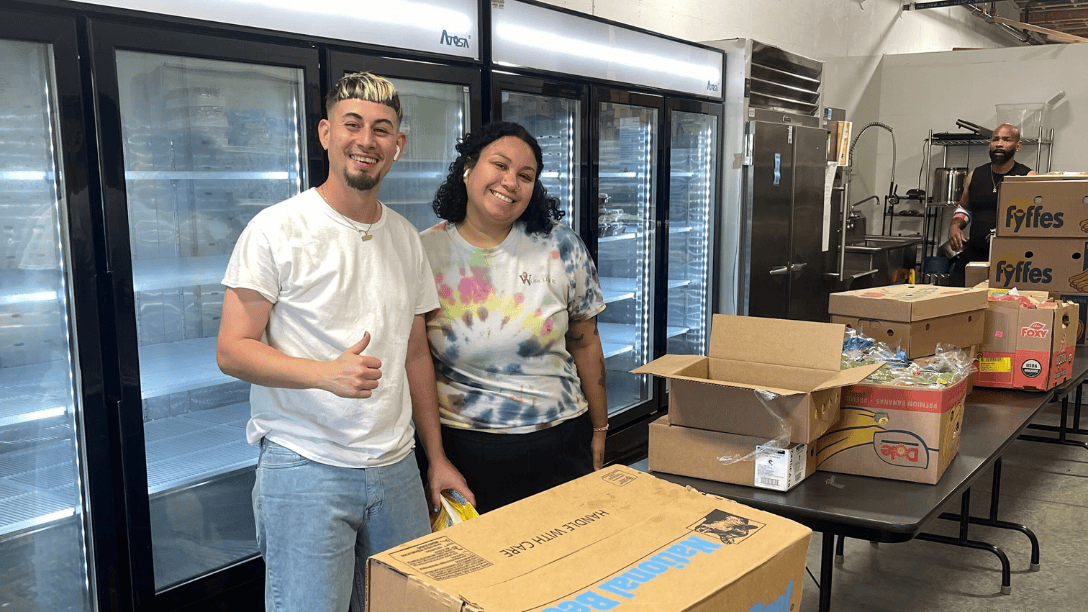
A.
x: 367, y: 87
x: 1015, y: 130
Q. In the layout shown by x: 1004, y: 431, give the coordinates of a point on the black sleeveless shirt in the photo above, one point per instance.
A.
x: 982, y: 200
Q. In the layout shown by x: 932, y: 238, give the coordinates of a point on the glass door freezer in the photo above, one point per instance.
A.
x: 45, y: 509
x: 441, y: 104
x: 203, y: 141
x: 626, y: 179
x: 693, y: 191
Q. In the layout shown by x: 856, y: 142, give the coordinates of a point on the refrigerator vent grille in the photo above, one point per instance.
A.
x: 784, y: 81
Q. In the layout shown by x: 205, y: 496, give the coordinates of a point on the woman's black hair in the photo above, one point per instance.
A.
x: 451, y: 199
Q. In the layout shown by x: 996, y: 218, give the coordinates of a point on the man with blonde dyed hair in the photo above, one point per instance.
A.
x: 324, y: 314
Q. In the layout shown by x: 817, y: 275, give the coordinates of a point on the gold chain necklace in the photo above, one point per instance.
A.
x: 364, y: 234
x: 992, y: 179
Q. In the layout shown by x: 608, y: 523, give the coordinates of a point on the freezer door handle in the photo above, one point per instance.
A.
x: 797, y: 267
x: 780, y: 270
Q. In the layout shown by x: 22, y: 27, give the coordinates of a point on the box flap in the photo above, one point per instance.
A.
x: 801, y: 344
x: 675, y: 365
x: 849, y: 377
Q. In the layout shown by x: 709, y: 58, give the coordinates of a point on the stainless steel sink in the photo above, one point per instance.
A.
x: 876, y: 244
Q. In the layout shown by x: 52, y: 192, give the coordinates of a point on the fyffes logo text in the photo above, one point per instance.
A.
x: 1017, y: 218
x: 1009, y: 274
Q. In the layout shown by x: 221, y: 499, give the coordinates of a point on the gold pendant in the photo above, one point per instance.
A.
x: 995, y: 189
x: 364, y: 237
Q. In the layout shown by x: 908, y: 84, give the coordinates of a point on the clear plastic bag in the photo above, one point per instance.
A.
x: 782, y: 440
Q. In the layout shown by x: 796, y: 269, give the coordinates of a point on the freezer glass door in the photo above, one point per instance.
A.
x: 207, y: 144
x: 625, y: 250
x: 554, y: 123
x: 691, y: 191
x: 436, y: 116
x: 43, y: 557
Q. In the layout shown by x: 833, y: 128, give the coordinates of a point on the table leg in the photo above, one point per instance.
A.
x: 1061, y: 430
x: 839, y: 557
x: 993, y: 521
x: 826, y: 568
x: 1076, y: 412
x: 962, y: 541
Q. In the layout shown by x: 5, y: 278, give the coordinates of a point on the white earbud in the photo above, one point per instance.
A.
x: 396, y: 156
x: 466, y: 173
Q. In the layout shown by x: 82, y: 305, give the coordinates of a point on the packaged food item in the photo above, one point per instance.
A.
x: 454, y: 509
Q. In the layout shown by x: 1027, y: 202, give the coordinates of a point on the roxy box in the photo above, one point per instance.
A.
x: 918, y: 317
x: 1027, y: 348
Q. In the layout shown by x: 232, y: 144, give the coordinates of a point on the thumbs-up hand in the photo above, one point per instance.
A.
x: 353, y: 374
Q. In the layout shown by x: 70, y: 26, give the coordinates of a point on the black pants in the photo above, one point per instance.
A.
x: 504, y: 468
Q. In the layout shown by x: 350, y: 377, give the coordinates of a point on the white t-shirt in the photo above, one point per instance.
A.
x: 328, y: 288
x: 499, y: 344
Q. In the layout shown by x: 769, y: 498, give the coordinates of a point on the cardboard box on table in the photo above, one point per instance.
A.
x: 976, y: 272
x: 1081, y: 300
x: 1040, y: 264
x: 1027, y: 348
x: 917, y: 317
x: 1043, y: 206
x: 901, y: 433
x: 617, y: 539
x: 726, y: 457
x: 799, y: 361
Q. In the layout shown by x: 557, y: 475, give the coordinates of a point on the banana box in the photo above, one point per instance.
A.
x: 1028, y: 345
x: 1043, y: 206
x: 899, y: 433
x: 1040, y: 264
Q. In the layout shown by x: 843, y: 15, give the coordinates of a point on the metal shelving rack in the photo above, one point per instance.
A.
x: 934, y: 212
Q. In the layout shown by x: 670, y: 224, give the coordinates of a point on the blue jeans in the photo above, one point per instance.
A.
x: 317, y: 524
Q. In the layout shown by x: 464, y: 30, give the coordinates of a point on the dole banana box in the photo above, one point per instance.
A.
x: 1043, y: 206
x: 900, y: 433
x: 1027, y: 345
x: 617, y: 539
x: 1040, y: 264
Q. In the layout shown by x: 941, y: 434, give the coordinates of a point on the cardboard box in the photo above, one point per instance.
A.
x: 617, y: 539
x: 1058, y: 264
x: 1043, y: 207
x: 797, y: 360
x: 915, y: 316
x: 1081, y: 300
x: 901, y: 433
x: 725, y: 457
x: 1027, y: 348
x: 920, y: 338
x: 976, y: 272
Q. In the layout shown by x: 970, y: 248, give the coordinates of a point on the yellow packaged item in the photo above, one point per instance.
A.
x: 455, y: 509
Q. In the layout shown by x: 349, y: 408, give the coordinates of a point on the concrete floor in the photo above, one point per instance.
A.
x: 1043, y: 486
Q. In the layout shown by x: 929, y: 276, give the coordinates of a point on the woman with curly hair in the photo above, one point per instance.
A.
x: 520, y: 368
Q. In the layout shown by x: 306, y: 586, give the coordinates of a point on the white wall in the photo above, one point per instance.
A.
x: 927, y: 91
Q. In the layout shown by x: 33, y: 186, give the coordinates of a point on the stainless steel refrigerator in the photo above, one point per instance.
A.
x: 784, y: 252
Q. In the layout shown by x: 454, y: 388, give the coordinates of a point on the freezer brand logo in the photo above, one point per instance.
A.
x: 1008, y: 273
x: 782, y: 604
x: 453, y: 41
x: 1035, y: 330
x: 711, y: 86
x: 1018, y: 218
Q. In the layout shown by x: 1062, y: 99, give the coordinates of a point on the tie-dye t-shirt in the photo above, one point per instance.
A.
x: 499, y: 344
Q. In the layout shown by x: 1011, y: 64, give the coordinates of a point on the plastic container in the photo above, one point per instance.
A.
x: 1029, y: 118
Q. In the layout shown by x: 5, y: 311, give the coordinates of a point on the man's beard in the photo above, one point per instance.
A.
x: 1000, y: 156
x: 361, y: 182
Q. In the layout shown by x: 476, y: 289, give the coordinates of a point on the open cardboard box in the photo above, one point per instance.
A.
x: 725, y: 457
x: 917, y: 317
x: 1028, y: 348
x: 799, y: 361
x: 617, y: 539
x: 889, y: 431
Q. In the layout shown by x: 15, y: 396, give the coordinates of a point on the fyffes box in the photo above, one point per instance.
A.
x: 1043, y: 207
